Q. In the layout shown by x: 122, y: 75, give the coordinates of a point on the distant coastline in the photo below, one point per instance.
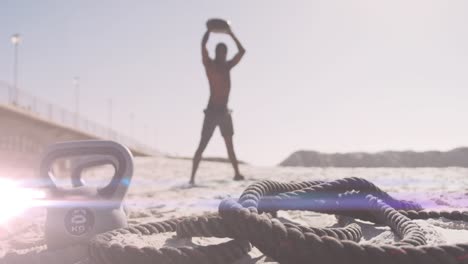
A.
x: 457, y: 157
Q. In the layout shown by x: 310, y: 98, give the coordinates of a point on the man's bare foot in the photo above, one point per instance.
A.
x: 239, y: 177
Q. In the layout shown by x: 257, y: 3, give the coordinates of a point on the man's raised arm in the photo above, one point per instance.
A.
x: 205, y: 56
x: 240, y: 52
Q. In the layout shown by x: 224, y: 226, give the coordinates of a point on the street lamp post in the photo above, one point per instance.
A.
x: 76, y: 85
x: 132, y: 118
x: 15, y: 40
x: 110, y: 118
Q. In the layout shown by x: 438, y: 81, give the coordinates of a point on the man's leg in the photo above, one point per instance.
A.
x: 227, y: 130
x: 233, y: 158
x: 209, y: 126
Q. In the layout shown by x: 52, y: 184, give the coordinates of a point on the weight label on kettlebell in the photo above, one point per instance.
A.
x: 79, y: 221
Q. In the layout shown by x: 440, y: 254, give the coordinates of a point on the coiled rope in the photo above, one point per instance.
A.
x: 250, y: 221
x: 102, y: 250
x: 289, y: 245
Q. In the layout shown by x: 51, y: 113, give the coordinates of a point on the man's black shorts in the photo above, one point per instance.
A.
x: 217, y: 117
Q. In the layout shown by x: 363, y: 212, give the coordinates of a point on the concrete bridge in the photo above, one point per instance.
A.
x: 29, y: 124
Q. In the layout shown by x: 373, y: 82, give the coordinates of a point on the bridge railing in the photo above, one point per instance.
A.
x: 59, y: 115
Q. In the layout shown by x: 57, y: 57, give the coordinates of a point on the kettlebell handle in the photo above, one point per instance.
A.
x: 81, y: 164
x: 119, y: 156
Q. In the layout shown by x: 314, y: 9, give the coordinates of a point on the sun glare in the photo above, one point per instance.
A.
x: 15, y: 199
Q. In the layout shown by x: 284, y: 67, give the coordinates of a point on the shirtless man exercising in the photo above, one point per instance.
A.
x: 217, y: 112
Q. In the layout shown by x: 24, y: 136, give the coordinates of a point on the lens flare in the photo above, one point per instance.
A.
x: 15, y: 199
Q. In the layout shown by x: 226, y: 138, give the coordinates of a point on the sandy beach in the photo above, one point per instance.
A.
x: 159, y: 191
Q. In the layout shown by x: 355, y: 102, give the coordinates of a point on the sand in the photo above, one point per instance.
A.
x: 159, y: 191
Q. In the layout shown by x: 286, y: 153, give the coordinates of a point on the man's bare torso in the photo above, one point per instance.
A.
x: 218, y: 74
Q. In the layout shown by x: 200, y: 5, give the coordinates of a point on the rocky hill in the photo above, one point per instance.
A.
x: 410, y: 159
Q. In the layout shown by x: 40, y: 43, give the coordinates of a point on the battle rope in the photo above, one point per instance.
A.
x: 242, y: 220
x: 102, y: 250
x: 289, y: 245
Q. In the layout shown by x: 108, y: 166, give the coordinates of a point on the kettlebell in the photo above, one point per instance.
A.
x: 77, y: 214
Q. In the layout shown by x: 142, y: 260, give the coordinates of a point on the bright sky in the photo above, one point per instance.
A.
x: 328, y: 75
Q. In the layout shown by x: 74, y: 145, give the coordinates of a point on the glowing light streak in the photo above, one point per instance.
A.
x: 15, y: 199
